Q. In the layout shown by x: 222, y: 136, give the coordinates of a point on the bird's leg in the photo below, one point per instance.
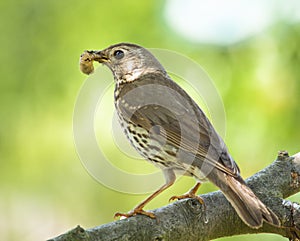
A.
x: 190, y: 194
x: 139, y: 208
x: 170, y: 179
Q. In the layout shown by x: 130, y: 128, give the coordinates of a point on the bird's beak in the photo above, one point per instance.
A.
x: 87, y: 59
x: 99, y: 56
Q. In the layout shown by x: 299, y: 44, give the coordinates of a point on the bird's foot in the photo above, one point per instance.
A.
x: 190, y: 194
x: 187, y: 195
x: 135, y: 212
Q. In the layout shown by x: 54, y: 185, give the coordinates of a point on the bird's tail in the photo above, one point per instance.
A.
x: 250, y: 209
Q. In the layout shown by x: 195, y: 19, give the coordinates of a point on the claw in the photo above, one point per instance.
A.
x: 190, y: 194
x: 187, y: 195
x: 133, y: 213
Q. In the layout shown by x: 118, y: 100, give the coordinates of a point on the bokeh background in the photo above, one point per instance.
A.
x: 249, y: 48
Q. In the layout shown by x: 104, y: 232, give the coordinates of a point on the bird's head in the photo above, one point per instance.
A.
x: 126, y: 61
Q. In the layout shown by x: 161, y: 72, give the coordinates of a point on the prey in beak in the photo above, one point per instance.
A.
x: 87, y: 58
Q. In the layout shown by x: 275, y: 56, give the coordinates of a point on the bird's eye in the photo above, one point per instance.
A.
x: 118, y: 54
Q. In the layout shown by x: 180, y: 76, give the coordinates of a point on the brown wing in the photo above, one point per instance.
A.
x: 159, y: 101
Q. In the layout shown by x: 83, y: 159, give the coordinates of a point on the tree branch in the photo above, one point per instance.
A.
x: 186, y: 219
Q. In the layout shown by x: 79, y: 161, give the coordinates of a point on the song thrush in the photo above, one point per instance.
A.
x: 170, y: 130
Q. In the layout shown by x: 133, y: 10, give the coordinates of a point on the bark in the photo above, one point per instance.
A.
x: 187, y: 220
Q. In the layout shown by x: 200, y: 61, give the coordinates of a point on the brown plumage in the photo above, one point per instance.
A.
x: 169, y: 129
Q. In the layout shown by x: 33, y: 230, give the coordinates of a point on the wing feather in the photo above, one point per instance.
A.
x: 161, y: 102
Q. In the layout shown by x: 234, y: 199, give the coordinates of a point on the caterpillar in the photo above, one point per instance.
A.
x: 86, y: 62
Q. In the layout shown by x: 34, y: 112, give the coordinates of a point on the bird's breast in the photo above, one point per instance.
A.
x: 152, y: 145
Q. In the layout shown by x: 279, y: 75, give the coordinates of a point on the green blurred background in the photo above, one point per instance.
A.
x: 44, y: 188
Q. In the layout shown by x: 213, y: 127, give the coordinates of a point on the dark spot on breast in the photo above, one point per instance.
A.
x: 159, y: 157
x: 135, y: 138
x: 142, y: 145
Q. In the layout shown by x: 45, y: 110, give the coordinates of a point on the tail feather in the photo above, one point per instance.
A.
x: 248, y: 206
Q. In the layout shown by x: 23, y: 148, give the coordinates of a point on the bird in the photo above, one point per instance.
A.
x: 168, y: 128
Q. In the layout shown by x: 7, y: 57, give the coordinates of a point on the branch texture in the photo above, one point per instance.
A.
x: 187, y: 220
